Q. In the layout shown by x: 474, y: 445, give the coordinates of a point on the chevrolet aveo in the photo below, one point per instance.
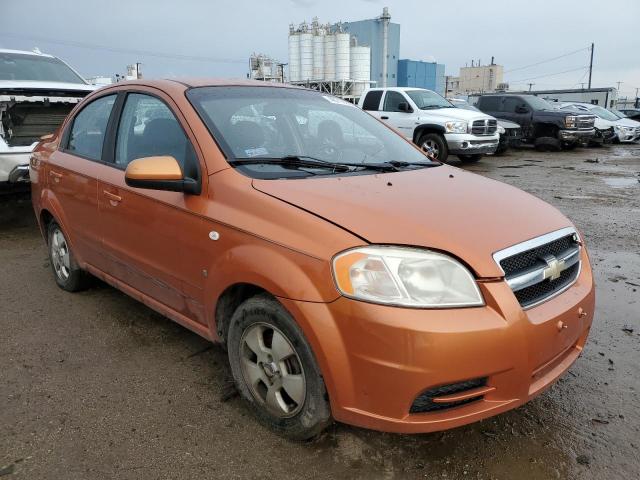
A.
x: 349, y: 276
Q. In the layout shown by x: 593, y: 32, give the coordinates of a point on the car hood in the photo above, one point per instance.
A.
x: 442, y: 208
x: 508, y: 124
x: 602, y: 123
x: 45, y: 87
x: 455, y: 113
x: 627, y: 122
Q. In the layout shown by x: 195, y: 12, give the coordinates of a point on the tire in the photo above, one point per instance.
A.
x: 501, y: 149
x: 68, y: 275
x: 437, y: 143
x: 298, y: 410
x: 470, y: 158
x: 548, y: 144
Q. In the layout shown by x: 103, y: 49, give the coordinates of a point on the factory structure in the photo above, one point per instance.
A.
x: 476, y: 78
x: 346, y: 58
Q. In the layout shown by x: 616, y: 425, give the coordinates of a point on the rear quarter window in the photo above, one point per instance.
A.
x: 490, y: 104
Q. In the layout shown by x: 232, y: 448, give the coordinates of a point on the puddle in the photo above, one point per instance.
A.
x: 621, y: 182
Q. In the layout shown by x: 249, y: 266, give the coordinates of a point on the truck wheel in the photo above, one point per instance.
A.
x: 548, y: 144
x: 470, y: 158
x: 437, y: 144
x: 275, y: 370
x: 69, y: 276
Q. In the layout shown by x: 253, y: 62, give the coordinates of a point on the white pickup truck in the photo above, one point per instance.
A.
x: 433, y: 123
x: 37, y: 91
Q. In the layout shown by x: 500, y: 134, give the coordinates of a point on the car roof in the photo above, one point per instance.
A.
x: 26, y: 52
x: 399, y: 89
x: 225, y: 82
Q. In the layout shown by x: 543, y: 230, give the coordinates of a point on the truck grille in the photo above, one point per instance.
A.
x: 484, y: 127
x: 541, y: 268
x: 585, y: 121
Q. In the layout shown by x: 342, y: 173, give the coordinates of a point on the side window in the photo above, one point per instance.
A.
x: 510, y: 104
x: 372, y: 100
x: 89, y: 128
x: 148, y: 128
x: 489, y: 104
x: 392, y: 100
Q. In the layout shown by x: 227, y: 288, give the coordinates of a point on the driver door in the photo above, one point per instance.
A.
x: 394, y: 116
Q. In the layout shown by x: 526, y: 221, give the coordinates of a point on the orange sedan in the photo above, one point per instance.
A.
x: 349, y: 276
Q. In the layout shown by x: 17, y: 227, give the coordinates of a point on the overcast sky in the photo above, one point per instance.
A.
x: 99, y: 37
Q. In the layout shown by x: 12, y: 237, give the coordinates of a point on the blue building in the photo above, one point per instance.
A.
x: 371, y: 32
x: 414, y: 73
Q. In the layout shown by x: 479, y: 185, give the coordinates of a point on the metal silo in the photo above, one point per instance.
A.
x: 318, y: 54
x: 294, y: 55
x: 343, y: 43
x: 329, y: 56
x: 360, y: 68
x: 306, y: 53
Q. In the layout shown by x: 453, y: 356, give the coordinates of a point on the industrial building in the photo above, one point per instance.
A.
x: 262, y: 67
x: 477, y: 78
x: 383, y: 37
x: 413, y: 73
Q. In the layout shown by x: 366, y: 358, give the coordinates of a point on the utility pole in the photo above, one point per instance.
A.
x: 530, y: 85
x: 281, y: 67
x: 591, y: 64
x: 618, y: 85
x: 637, y: 102
x: 138, y: 72
x: 582, y: 85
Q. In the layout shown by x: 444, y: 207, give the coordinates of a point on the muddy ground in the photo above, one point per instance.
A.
x: 95, y: 385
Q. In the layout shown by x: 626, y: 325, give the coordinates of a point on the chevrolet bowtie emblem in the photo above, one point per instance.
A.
x: 554, y: 267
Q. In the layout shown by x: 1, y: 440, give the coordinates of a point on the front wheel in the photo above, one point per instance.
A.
x: 470, y: 158
x: 436, y: 145
x: 275, y: 370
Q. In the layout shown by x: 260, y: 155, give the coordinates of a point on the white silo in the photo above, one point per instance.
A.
x: 306, y: 53
x: 294, y: 55
x: 318, y: 54
x: 329, y: 56
x: 342, y: 55
x: 360, y: 68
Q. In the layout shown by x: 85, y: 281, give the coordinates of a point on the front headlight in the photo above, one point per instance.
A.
x: 456, y: 127
x: 405, y: 276
x: 501, y: 130
x: 570, y: 121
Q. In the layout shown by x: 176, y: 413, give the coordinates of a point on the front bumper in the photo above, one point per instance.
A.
x: 14, y: 167
x: 466, y: 144
x: 576, y: 135
x: 376, y: 360
x: 603, y: 136
x: 628, y: 135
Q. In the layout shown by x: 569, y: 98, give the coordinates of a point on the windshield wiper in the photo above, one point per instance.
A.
x: 311, y: 162
x: 401, y: 163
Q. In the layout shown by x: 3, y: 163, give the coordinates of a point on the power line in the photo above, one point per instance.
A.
x: 549, y: 60
x: 107, y: 48
x: 548, y: 75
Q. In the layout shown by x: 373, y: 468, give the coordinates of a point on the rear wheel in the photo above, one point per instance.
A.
x: 275, y: 371
x: 68, y: 275
x: 436, y: 145
x: 470, y: 158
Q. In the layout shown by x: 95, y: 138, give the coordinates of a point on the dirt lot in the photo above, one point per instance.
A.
x: 95, y: 385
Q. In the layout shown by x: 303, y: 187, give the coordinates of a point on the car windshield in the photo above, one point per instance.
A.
x: 16, y: 66
x: 538, y: 103
x: 617, y: 113
x: 426, y: 99
x: 257, y: 126
x: 603, y: 113
x: 466, y: 106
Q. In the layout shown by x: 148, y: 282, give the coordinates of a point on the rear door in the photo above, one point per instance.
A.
x: 149, y: 235
x: 372, y: 101
x: 518, y: 111
x: 72, y: 177
x: 392, y: 114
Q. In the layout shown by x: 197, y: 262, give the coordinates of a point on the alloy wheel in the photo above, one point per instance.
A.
x: 431, y: 147
x: 60, y: 255
x: 272, y: 370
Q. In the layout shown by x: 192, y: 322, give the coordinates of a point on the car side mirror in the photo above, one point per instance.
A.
x: 522, y: 109
x: 404, y: 107
x: 158, y: 173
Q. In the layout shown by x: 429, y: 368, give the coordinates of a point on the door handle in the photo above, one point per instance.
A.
x: 384, y: 118
x: 112, y: 196
x: 55, y: 175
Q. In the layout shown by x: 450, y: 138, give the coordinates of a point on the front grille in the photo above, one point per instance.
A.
x: 484, y: 127
x: 538, y: 292
x: 585, y: 121
x: 529, y: 258
x: 424, y: 402
x: 542, y: 270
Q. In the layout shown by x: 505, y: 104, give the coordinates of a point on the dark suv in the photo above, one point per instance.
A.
x: 542, y: 125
